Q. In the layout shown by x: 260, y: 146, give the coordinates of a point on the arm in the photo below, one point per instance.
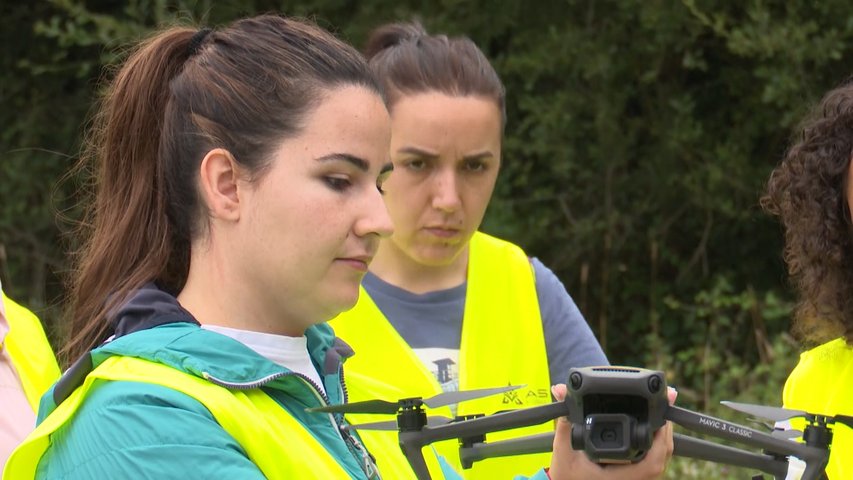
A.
x: 127, y: 429
x: 569, y: 341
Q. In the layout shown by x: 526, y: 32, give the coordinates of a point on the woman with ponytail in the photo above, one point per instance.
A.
x: 237, y: 202
x: 444, y: 306
x: 238, y: 176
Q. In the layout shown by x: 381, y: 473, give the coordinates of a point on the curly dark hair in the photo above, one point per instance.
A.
x: 808, y: 191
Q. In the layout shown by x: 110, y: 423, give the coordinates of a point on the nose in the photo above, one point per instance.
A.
x: 375, y: 219
x: 445, y: 191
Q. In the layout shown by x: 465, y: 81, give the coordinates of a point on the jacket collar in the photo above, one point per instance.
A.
x: 153, y: 326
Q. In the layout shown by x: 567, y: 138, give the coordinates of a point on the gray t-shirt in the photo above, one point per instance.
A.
x: 431, y: 323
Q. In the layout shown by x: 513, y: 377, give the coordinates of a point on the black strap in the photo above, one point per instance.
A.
x: 72, y: 378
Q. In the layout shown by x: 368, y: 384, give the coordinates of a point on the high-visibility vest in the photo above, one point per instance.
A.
x: 272, y: 438
x: 30, y: 352
x: 502, y: 344
x: 822, y: 383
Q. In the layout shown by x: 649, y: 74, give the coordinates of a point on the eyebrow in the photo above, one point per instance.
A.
x: 432, y: 156
x: 359, y: 163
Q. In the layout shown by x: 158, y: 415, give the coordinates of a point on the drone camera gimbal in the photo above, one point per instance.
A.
x: 617, y: 410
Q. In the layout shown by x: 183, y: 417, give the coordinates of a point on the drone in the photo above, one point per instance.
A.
x: 614, y: 413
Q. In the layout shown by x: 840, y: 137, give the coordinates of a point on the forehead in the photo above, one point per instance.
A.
x: 435, y: 119
x: 348, y: 108
x: 347, y: 120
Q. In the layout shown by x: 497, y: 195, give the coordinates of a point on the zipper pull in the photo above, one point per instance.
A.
x: 368, y: 462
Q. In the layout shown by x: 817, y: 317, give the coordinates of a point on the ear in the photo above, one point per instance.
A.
x: 218, y: 175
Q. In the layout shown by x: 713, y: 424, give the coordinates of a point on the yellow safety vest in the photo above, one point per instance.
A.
x: 502, y: 344
x: 272, y: 438
x: 30, y: 352
x: 822, y: 383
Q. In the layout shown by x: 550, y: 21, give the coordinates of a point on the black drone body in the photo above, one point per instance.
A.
x: 614, y: 413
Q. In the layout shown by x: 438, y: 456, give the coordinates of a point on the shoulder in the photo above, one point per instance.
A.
x: 487, y: 242
x: 543, y: 273
x: 833, y: 359
x: 126, y: 427
x: 821, y: 379
x: 549, y: 287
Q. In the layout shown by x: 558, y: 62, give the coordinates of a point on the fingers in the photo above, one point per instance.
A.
x: 671, y: 395
x: 666, y: 433
x: 559, y: 391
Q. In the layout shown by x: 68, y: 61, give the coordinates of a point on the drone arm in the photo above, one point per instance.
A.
x: 411, y: 442
x: 690, y: 447
x: 715, y: 427
x: 543, y: 442
x: 814, y: 457
x: 685, y: 446
x: 494, y: 423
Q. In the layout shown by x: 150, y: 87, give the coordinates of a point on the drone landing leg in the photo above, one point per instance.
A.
x: 411, y: 446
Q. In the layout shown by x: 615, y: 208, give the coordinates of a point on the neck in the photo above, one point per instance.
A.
x: 394, y: 266
x: 215, y: 295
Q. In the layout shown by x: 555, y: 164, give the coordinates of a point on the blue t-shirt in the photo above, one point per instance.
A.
x: 431, y: 323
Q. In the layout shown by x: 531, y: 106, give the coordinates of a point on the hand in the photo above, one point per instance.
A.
x: 570, y: 464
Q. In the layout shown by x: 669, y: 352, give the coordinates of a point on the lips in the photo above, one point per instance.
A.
x: 443, y: 231
x: 358, y: 262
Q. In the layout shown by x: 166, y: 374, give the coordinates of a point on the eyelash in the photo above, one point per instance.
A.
x: 470, y: 166
x: 341, y: 184
x: 416, y: 165
x: 475, y: 166
x: 337, y: 184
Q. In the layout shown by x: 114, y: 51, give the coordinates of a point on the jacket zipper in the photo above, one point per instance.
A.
x: 357, y: 450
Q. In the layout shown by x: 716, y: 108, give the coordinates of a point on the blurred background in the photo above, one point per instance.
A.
x: 640, y: 136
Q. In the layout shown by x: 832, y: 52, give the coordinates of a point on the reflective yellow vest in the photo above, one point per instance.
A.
x: 822, y: 383
x: 29, y: 351
x: 261, y: 426
x: 502, y: 344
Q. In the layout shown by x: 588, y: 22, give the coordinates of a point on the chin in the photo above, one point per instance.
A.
x: 438, y: 257
x: 343, y: 302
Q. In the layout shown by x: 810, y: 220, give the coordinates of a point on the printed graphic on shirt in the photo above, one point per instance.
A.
x: 443, y: 363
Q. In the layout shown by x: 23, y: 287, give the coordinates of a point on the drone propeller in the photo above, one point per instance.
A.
x: 774, y: 414
x: 391, y: 425
x: 786, y: 434
x: 778, y: 414
x: 440, y: 400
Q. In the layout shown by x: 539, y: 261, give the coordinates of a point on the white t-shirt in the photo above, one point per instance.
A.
x: 289, y: 352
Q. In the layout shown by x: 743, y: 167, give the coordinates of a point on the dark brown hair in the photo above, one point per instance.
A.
x: 181, y: 93
x: 808, y: 193
x: 408, y: 60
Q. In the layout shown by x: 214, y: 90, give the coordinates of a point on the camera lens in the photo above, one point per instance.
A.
x: 608, y: 435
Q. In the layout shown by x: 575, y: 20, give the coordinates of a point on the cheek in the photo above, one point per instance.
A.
x: 478, y: 194
x: 405, y: 203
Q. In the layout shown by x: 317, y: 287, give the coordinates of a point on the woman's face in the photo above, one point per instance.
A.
x: 446, y: 154
x: 315, y: 217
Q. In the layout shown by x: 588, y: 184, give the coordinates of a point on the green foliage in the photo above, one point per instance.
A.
x: 639, y: 139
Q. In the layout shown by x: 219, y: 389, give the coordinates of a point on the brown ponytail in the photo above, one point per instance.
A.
x: 180, y: 94
x: 126, y: 233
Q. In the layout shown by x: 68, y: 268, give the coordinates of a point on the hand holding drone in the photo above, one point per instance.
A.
x: 614, y: 412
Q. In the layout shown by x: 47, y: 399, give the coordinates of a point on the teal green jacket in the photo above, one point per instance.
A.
x: 141, y: 430
x: 136, y: 430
